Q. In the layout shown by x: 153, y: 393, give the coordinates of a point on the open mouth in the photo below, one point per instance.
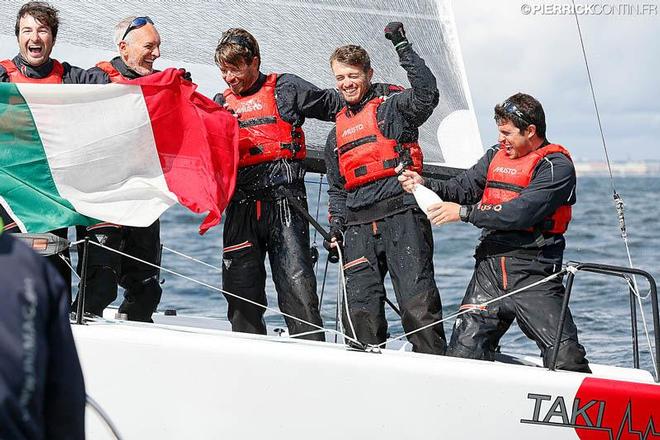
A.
x: 35, y: 51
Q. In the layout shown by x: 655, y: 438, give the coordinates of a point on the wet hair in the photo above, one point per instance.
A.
x: 42, y: 12
x: 522, y: 110
x: 236, y: 45
x: 352, y: 55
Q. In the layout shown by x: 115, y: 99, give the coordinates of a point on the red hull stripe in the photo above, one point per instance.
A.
x: 622, y: 410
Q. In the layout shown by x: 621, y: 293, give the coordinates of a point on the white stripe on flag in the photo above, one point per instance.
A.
x: 101, y: 150
x: 10, y: 212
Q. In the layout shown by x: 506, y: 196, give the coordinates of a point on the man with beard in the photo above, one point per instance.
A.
x: 138, y: 43
x: 36, y: 29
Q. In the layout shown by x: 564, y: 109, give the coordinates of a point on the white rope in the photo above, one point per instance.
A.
x: 203, y: 263
x: 104, y: 416
x: 342, y: 277
x: 617, y: 199
x: 217, y: 289
x: 646, y: 329
x: 457, y: 314
x: 73, y: 271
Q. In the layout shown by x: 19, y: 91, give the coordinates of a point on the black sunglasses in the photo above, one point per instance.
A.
x: 511, y: 108
x: 137, y: 23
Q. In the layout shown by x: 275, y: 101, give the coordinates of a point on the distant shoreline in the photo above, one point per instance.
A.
x: 619, y: 169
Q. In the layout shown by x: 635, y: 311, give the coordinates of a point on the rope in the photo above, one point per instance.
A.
x: 104, y: 416
x: 73, y: 271
x: 203, y: 263
x: 342, y: 277
x: 633, y: 287
x: 318, y: 205
x: 201, y: 283
x: 618, y: 201
x: 457, y: 314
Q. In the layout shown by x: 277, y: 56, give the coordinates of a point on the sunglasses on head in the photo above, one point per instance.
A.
x: 137, y: 23
x: 511, y: 108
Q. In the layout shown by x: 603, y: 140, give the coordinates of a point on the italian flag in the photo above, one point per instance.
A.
x: 119, y: 153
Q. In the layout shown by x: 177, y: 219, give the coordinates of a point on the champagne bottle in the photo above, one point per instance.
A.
x: 425, y: 197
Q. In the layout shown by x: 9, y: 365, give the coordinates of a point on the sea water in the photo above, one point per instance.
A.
x: 600, y: 305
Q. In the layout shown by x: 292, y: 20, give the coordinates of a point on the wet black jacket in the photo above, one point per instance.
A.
x: 72, y: 74
x: 553, y: 184
x: 399, y: 117
x: 42, y: 394
x: 296, y: 100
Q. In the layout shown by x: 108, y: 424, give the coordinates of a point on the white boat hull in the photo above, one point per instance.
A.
x: 171, y: 382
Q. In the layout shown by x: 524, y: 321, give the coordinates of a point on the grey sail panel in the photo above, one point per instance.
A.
x: 298, y: 37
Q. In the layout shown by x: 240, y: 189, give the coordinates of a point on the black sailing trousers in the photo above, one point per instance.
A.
x: 107, y: 269
x: 477, y: 333
x: 401, y: 244
x: 252, y: 229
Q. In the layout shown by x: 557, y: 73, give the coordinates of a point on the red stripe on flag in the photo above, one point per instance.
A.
x: 197, y: 143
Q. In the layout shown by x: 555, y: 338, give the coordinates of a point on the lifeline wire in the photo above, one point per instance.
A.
x: 457, y: 314
x: 73, y: 271
x: 646, y: 330
x: 343, y: 287
x: 104, y: 416
x: 201, y: 283
x: 618, y: 201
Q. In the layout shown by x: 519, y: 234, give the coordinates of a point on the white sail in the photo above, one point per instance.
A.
x: 295, y: 36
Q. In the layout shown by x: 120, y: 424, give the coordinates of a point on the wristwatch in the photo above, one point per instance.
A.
x: 464, y: 212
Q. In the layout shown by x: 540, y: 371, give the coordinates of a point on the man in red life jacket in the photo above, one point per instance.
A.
x: 520, y: 193
x: 271, y: 110
x: 138, y: 43
x: 36, y: 29
x: 383, y: 229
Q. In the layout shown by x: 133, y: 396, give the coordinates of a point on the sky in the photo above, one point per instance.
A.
x: 506, y: 51
x: 531, y: 46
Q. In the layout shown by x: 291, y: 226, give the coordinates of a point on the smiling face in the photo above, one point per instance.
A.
x: 515, y: 142
x: 352, y: 81
x: 242, y: 76
x: 140, y: 48
x: 35, y: 41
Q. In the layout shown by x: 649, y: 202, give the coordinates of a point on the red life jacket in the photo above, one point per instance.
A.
x: 365, y: 155
x: 108, y: 68
x: 506, y: 178
x: 263, y: 135
x: 16, y: 76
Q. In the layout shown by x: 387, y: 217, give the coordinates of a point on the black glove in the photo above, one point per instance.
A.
x: 185, y: 75
x: 336, y: 232
x: 394, y: 32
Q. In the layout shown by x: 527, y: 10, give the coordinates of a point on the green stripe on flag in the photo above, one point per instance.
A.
x: 26, y: 182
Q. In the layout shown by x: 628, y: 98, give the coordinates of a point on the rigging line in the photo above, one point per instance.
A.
x: 343, y: 287
x: 203, y: 263
x: 318, y: 205
x: 217, y: 289
x: 646, y: 329
x: 593, y: 96
x: 325, y: 274
x: 104, y: 416
x: 618, y: 201
x: 457, y: 314
x: 73, y: 271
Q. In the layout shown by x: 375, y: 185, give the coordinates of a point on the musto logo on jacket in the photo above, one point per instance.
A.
x: 365, y: 155
x: 506, y: 178
x: 263, y: 135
